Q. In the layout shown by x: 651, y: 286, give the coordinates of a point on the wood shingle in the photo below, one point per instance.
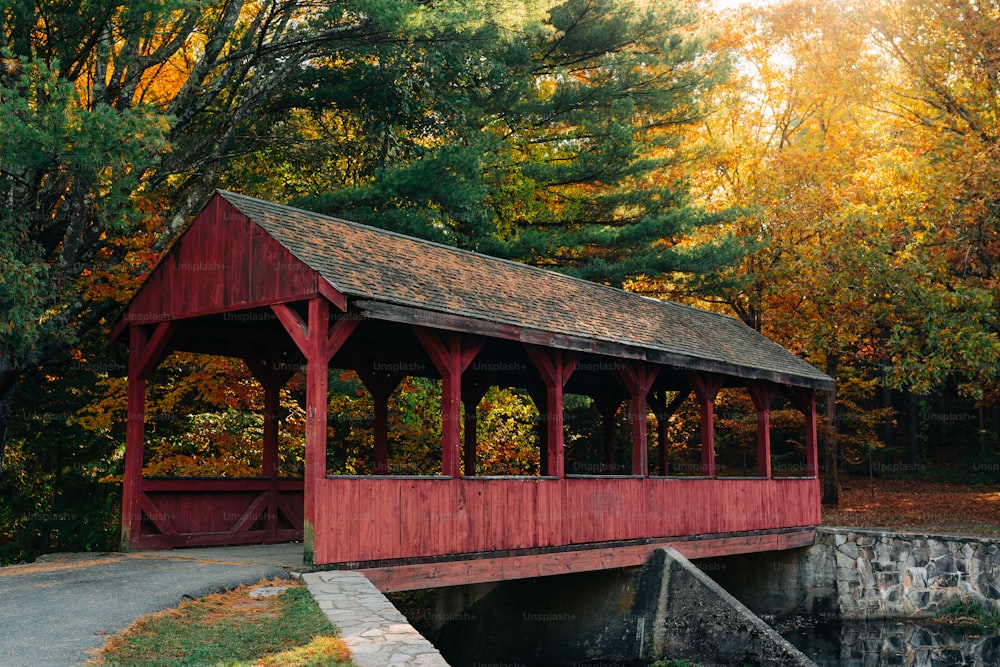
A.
x: 385, y: 274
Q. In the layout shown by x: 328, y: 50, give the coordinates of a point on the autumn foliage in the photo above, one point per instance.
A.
x: 825, y: 170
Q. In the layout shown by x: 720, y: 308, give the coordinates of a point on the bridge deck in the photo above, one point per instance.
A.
x: 482, y: 568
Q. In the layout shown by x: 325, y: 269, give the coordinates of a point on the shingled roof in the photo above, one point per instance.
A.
x: 368, y: 264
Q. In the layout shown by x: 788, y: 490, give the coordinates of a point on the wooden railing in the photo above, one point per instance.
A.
x: 367, y: 519
x: 180, y: 512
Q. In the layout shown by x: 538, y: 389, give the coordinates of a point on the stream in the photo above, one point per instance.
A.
x: 889, y: 643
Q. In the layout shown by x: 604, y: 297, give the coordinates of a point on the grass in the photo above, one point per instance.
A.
x: 231, y: 629
x: 969, y: 614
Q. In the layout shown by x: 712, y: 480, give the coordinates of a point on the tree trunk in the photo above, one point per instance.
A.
x: 914, y: 451
x: 6, y: 402
x: 888, y: 427
x: 831, y: 445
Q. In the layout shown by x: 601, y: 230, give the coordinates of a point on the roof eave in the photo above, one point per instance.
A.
x: 401, y: 314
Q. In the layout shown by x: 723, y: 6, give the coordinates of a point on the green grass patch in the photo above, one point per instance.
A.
x: 232, y: 630
x: 969, y: 614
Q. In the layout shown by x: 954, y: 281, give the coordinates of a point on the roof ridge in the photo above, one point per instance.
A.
x: 444, y: 246
x: 529, y: 296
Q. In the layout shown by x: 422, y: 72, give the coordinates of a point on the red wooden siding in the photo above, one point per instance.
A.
x: 366, y: 519
x: 223, y: 263
x: 500, y: 568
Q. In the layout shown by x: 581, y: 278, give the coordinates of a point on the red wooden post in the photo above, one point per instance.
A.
x: 638, y: 379
x: 317, y: 386
x: 271, y: 378
x: 145, y: 354
x: 663, y: 412
x: 555, y: 369
x: 804, y: 401
x: 812, y: 453
x: 607, y: 404
x: 318, y: 342
x: 706, y: 387
x: 451, y: 408
x: 451, y: 359
x: 380, y: 385
x: 762, y: 394
x: 472, y: 394
x: 134, y: 441
x: 272, y: 404
x: 380, y: 453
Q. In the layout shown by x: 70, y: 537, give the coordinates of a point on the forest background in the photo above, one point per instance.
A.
x: 827, y: 171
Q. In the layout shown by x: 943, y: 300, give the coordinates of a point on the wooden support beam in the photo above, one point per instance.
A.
x: 297, y: 328
x: 338, y: 335
x: 706, y: 387
x: 762, y: 394
x: 333, y: 295
x: 638, y: 378
x: 804, y: 401
x: 156, y: 348
x: 608, y: 402
x: 318, y: 342
x: 663, y: 412
x: 473, y: 391
x: 583, y: 558
x: 135, y: 432
x: 267, y: 369
x: 554, y: 368
x: 272, y: 405
x: 468, y: 325
x: 380, y: 384
x: 299, y: 331
x: 451, y: 355
x: 317, y: 385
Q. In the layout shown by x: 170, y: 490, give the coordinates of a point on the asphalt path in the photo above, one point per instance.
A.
x: 56, y: 613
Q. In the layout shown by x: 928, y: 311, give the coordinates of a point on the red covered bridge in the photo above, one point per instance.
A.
x: 283, y: 288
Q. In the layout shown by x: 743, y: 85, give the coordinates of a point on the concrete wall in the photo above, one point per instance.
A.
x: 664, y: 609
x: 855, y: 574
x: 697, y: 620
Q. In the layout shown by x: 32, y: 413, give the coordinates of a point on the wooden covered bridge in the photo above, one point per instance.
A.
x: 283, y: 288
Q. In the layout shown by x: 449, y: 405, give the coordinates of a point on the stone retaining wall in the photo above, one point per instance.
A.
x: 857, y: 574
x: 902, y: 575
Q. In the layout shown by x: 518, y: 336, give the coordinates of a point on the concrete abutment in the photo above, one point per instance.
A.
x: 667, y: 608
x: 709, y: 611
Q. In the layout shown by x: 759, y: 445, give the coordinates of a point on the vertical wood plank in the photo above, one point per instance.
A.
x: 317, y: 365
x: 134, y: 442
x: 762, y: 394
x: 390, y: 518
x: 706, y: 386
x: 812, y: 451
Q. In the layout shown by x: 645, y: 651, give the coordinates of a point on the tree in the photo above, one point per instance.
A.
x: 553, y: 137
x: 869, y: 212
x: 117, y: 111
x: 793, y: 135
x: 946, y: 107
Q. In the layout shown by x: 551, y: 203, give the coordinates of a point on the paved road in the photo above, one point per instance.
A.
x: 53, y: 613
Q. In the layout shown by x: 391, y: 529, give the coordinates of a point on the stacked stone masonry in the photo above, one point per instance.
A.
x: 898, y: 575
x: 372, y: 628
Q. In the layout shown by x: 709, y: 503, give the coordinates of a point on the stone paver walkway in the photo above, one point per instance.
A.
x: 374, y: 630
